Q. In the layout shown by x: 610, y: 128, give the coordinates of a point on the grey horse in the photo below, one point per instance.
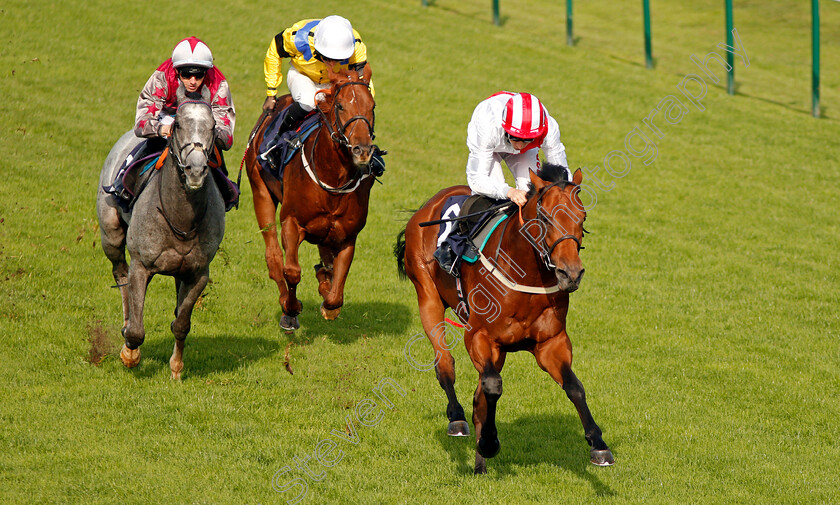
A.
x: 174, y: 227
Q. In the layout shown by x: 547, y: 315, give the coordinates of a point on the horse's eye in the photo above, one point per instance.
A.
x: 339, y: 106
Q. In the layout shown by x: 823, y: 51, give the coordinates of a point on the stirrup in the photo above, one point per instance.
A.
x: 445, y: 257
x: 294, y: 142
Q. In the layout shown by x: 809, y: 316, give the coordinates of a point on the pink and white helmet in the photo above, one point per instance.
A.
x: 524, y: 117
x: 192, y: 52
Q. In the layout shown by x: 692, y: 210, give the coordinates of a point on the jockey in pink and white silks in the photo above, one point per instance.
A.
x: 509, y: 127
x: 191, y: 69
x: 190, y: 66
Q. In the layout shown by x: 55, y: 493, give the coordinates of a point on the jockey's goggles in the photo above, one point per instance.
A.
x: 517, y: 139
x: 187, y: 72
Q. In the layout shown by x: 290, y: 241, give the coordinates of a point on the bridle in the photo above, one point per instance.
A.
x: 178, y: 151
x: 178, y: 156
x: 545, y: 219
x: 338, y: 129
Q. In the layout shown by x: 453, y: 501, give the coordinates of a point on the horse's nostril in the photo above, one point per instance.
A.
x: 357, y: 151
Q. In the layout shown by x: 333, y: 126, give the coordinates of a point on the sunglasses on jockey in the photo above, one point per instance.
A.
x: 187, y: 72
x: 511, y: 138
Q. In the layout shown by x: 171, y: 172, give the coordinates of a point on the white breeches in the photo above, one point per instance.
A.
x: 303, y: 88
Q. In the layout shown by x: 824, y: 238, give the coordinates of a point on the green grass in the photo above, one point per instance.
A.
x: 706, y: 331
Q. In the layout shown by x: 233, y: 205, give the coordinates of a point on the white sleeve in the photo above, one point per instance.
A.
x: 520, y: 165
x: 481, y: 163
x: 555, y: 151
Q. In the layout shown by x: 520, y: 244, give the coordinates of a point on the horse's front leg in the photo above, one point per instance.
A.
x: 133, y: 332
x: 488, y: 360
x: 334, y: 298
x: 324, y: 270
x: 266, y: 212
x: 189, y: 289
x: 292, y: 236
x: 555, y: 357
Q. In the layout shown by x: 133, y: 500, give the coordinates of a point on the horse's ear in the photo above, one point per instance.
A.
x: 205, y: 94
x: 535, y: 179
x: 577, y: 177
x: 180, y: 93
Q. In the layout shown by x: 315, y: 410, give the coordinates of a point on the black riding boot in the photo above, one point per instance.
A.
x: 294, y: 115
x: 446, y: 257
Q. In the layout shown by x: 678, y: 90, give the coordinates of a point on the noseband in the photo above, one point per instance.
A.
x: 337, y: 129
x: 545, y: 218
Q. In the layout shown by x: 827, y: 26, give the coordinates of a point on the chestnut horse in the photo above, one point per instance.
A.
x: 323, y: 198
x: 515, y: 298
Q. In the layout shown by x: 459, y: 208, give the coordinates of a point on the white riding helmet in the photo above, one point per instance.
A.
x: 334, y: 38
x: 192, y: 52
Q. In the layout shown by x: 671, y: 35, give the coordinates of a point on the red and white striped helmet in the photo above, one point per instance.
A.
x: 524, y: 117
x: 192, y: 52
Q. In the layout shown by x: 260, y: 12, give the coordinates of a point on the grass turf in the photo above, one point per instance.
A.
x: 706, y: 331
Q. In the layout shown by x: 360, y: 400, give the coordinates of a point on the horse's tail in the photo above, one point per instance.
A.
x: 399, y: 252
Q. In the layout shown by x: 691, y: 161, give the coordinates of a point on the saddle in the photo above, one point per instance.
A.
x: 276, y: 151
x: 468, y: 236
x: 136, y: 172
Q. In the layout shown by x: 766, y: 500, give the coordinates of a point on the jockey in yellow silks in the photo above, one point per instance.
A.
x: 312, y: 45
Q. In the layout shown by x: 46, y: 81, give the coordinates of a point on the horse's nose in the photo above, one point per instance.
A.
x: 362, y: 153
x: 360, y: 150
x: 570, y: 277
x: 195, y: 175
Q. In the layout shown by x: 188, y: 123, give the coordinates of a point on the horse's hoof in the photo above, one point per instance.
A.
x: 130, y: 357
x: 489, y: 449
x: 176, y: 376
x: 602, y: 457
x: 329, y: 315
x: 458, y: 429
x: 289, y: 323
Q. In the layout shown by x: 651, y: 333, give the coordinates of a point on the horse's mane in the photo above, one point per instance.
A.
x: 554, y: 174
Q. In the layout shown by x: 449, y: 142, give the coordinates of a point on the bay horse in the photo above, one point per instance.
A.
x: 174, y: 227
x: 516, y: 300
x: 323, y: 195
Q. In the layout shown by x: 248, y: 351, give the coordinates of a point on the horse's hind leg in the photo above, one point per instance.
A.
x: 112, y: 233
x: 324, y: 271
x: 555, y: 357
x: 432, y: 313
x: 188, y: 292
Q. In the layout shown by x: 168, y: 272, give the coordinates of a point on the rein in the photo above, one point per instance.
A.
x: 492, y: 268
x: 349, y: 187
